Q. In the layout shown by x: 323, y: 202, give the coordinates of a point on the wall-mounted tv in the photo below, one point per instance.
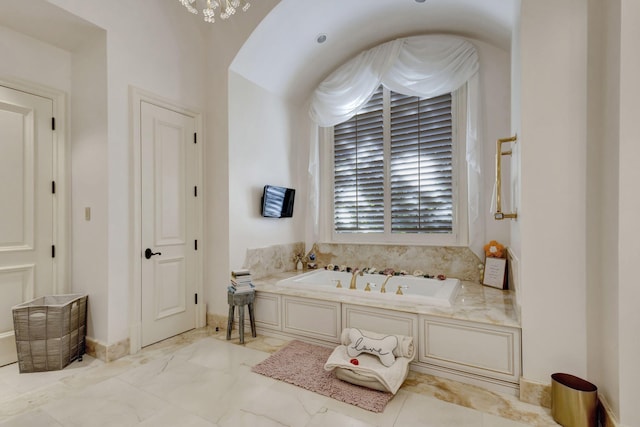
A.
x: 277, y: 202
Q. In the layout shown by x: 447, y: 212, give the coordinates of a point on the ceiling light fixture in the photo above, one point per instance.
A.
x: 227, y: 8
x: 321, y: 38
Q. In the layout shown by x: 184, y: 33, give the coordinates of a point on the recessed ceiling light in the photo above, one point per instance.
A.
x: 420, y: 1
x: 321, y: 38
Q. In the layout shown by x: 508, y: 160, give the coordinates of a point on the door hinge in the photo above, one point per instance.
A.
x: 53, y: 123
x: 195, y: 191
x: 195, y: 244
x: 53, y: 187
x: 195, y: 138
x: 196, y: 298
x: 53, y: 251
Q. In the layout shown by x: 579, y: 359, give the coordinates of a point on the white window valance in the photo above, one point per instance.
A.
x: 424, y: 66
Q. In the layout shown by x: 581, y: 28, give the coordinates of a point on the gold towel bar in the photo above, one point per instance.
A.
x: 499, y: 215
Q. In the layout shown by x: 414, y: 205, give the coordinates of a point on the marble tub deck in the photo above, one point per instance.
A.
x: 200, y: 379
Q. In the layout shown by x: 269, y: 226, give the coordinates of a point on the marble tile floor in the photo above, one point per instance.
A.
x: 200, y: 379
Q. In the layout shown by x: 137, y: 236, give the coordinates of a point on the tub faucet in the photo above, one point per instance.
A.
x: 382, y: 288
x: 354, y: 275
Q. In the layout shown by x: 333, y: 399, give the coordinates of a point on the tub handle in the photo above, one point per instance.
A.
x: 400, y: 288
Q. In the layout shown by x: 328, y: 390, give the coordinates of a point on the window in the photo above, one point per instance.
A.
x: 394, y: 169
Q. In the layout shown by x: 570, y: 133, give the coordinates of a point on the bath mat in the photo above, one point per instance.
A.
x: 302, y: 364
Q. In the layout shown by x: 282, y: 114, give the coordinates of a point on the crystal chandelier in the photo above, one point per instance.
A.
x: 227, y: 8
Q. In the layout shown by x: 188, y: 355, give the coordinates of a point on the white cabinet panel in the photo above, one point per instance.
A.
x: 266, y: 309
x: 491, y: 351
x: 380, y: 320
x: 312, y: 318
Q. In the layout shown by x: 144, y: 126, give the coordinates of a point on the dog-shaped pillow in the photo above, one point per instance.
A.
x: 383, y: 348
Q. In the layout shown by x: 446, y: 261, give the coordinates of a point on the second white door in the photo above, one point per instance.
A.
x: 169, y: 222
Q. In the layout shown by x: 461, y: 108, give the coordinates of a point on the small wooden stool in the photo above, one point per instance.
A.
x: 241, y: 300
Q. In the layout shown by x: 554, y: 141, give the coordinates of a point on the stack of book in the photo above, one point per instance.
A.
x: 241, y: 282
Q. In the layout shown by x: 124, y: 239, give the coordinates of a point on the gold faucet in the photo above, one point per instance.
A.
x: 382, y: 288
x: 354, y: 274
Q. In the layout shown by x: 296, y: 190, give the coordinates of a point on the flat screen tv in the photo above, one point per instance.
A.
x: 277, y: 202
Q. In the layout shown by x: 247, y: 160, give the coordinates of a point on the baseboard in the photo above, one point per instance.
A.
x: 605, y: 414
x: 535, y: 393
x: 106, y: 353
x: 216, y: 321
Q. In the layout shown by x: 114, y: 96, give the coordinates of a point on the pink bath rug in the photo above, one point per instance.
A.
x: 302, y: 364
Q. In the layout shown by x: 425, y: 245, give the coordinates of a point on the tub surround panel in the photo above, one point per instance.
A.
x: 301, y: 316
x: 480, y: 318
x: 473, y: 302
x: 458, y: 262
x: 381, y: 321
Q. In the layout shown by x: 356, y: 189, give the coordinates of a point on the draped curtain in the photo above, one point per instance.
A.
x: 423, y: 66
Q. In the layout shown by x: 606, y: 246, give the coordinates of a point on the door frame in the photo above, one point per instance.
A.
x: 136, y: 96
x: 61, y: 175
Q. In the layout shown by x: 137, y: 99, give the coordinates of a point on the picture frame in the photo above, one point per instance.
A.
x: 495, y: 272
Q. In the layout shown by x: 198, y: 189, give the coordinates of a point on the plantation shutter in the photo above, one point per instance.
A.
x: 421, y: 164
x: 359, y: 170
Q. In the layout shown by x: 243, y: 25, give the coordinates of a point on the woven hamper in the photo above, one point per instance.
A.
x: 50, y: 332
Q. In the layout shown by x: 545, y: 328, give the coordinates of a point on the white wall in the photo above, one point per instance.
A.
x: 89, y: 181
x: 516, y: 125
x: 603, y: 198
x: 157, y: 47
x: 32, y: 60
x: 224, y: 42
x: 552, y: 220
x: 494, y: 121
x: 262, y: 150
x: 579, y: 297
x: 629, y: 206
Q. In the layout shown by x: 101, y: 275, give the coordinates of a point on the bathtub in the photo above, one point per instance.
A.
x: 417, y: 290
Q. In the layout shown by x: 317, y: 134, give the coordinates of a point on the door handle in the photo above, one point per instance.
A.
x: 148, y: 253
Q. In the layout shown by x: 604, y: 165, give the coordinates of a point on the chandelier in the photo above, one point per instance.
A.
x: 227, y: 8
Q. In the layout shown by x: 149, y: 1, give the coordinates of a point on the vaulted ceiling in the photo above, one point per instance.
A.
x: 283, y: 56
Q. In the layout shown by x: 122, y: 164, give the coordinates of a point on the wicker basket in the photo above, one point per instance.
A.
x: 50, y: 332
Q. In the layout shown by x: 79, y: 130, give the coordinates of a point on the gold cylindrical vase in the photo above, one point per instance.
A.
x: 574, y: 401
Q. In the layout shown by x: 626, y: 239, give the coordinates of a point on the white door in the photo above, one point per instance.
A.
x: 169, y: 222
x: 26, y: 200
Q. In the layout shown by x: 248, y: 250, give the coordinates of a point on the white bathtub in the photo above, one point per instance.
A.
x: 414, y: 289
